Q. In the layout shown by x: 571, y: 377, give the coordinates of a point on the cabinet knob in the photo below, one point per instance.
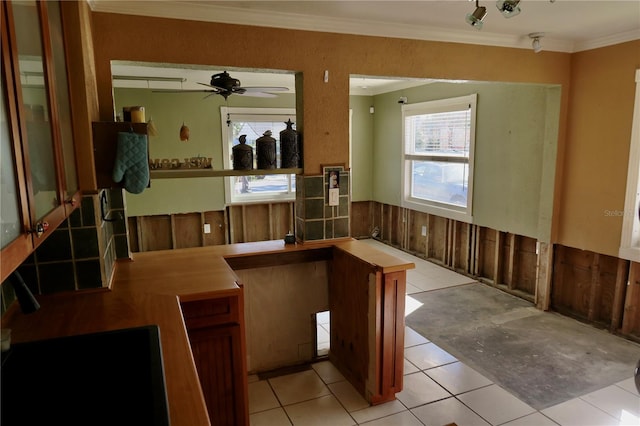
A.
x: 39, y: 229
x: 71, y: 201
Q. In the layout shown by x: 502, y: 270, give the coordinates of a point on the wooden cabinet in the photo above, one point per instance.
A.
x: 216, y: 333
x: 39, y: 184
x: 367, y: 325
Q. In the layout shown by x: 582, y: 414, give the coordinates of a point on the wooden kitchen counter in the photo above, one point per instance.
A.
x: 82, y: 312
x: 149, y: 288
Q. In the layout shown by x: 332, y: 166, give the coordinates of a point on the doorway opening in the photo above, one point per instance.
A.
x: 323, y: 336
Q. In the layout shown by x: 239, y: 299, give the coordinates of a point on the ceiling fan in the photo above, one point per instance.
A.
x: 224, y: 85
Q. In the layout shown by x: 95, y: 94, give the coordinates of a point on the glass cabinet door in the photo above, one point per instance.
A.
x: 34, y: 108
x: 62, y: 96
x: 10, y: 218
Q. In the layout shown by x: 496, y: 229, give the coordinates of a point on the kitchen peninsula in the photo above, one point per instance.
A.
x: 195, y: 297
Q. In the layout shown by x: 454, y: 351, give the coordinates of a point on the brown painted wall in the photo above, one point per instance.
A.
x: 590, y: 176
x: 597, y: 150
x: 325, y: 116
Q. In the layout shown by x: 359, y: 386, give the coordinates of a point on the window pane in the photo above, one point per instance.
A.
x: 261, y: 184
x: 443, y: 133
x: 440, y: 181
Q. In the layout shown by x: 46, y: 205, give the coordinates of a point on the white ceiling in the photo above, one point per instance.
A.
x: 568, y: 25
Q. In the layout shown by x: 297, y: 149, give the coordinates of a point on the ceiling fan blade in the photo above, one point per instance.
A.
x: 256, y: 94
x: 182, y: 91
x: 266, y: 89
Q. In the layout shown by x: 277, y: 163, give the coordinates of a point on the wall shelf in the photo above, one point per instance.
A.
x: 192, y: 173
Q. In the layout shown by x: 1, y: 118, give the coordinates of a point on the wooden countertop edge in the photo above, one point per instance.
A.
x: 126, y: 282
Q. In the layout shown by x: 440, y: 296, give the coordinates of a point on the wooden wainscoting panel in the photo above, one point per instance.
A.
x: 236, y: 223
x: 218, y: 222
x: 256, y: 222
x: 571, y: 291
x: 187, y: 230
x: 437, y: 231
x: 417, y: 242
x: 282, y: 220
x: 361, y: 219
x: 487, y: 245
x: 154, y: 233
x: 601, y: 304
x: 526, y: 261
x: 461, y: 247
x: 631, y: 318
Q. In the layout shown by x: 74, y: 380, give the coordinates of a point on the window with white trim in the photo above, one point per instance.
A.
x: 437, y: 157
x: 253, y: 122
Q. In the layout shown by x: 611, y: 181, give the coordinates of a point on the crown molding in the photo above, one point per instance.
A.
x: 199, y: 11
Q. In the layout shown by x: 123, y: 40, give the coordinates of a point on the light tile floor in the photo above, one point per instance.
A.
x: 438, y: 389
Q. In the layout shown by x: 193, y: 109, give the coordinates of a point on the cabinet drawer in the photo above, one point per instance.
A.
x: 211, y: 312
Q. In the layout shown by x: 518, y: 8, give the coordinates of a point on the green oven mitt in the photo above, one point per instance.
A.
x: 132, y: 162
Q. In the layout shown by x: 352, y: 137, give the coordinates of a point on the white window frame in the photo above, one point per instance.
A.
x: 451, y: 211
x: 630, y: 238
x: 250, y: 114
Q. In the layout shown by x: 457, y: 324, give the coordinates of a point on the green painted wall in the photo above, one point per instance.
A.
x: 361, y: 148
x: 202, y: 115
x: 516, y: 142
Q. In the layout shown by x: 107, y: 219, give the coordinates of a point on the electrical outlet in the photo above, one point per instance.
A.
x: 207, y: 228
x: 424, y: 231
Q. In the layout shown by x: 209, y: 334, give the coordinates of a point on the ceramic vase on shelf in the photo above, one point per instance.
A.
x: 242, y: 155
x: 289, y: 155
x: 266, y: 150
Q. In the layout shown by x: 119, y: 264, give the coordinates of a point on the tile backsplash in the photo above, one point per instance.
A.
x: 81, y: 252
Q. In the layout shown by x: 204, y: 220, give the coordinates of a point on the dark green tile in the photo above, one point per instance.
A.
x: 75, y: 219
x: 344, y: 183
x: 314, y: 208
x: 341, y: 228
x: 328, y: 211
x: 328, y: 228
x: 88, y: 212
x: 122, y: 248
x: 56, y: 277
x: 56, y: 247
x: 343, y: 207
x: 116, y: 199
x: 119, y: 226
x: 313, y: 186
x: 88, y: 272
x: 85, y: 243
x: 314, y: 230
x: 300, y: 228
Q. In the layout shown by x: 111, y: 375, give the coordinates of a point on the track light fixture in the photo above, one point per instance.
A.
x: 475, y: 19
x: 508, y: 8
x: 535, y: 41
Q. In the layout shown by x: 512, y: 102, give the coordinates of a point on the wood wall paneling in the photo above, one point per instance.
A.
x: 187, y: 230
x: 631, y: 318
x: 218, y: 222
x: 155, y: 233
x: 361, y: 215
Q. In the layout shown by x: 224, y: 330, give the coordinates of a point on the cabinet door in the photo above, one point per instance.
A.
x: 217, y: 352
x: 34, y: 104
x: 63, y: 104
x: 34, y: 94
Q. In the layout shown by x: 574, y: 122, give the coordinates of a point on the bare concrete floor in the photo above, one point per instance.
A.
x: 543, y: 358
